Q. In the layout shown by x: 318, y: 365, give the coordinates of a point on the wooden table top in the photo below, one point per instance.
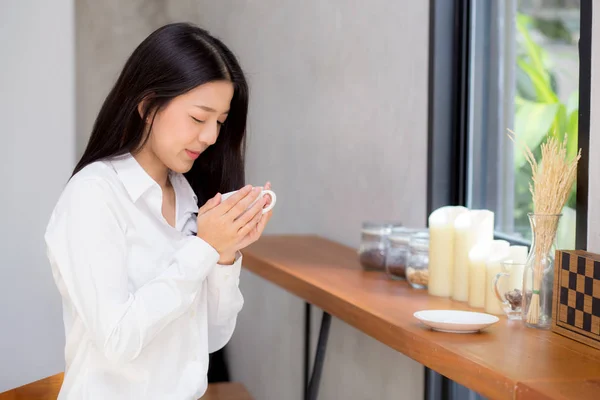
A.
x: 505, y: 361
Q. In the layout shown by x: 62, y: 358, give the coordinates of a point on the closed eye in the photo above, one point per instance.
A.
x: 201, y: 122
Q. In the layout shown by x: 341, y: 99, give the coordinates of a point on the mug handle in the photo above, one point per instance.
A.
x: 495, y: 286
x: 273, y: 200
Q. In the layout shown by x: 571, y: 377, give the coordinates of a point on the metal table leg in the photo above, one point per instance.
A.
x: 315, y: 380
x: 307, y: 331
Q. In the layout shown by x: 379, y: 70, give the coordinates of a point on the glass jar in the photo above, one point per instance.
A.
x: 397, y: 252
x: 373, y: 244
x: 508, y: 286
x: 417, y: 267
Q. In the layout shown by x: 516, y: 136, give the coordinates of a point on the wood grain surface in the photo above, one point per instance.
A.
x: 226, y: 391
x: 44, y: 389
x: 48, y: 389
x: 502, y: 362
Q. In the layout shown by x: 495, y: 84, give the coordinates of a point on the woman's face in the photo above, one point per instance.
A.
x: 189, y: 123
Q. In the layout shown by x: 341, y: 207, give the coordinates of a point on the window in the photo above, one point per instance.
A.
x: 524, y: 76
x: 522, y: 65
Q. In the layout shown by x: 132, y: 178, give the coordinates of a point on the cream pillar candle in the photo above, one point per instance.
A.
x: 477, y: 260
x: 518, y: 256
x: 469, y: 229
x: 441, y: 249
x: 499, y: 253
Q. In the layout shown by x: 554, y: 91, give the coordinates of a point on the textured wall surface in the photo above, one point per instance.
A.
x: 107, y: 33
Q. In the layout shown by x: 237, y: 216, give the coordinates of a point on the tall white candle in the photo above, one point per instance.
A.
x: 518, y: 256
x: 441, y: 249
x: 469, y: 229
x: 500, y: 252
x: 477, y: 260
x: 483, y: 252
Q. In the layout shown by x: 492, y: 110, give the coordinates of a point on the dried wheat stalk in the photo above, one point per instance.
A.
x: 551, y: 182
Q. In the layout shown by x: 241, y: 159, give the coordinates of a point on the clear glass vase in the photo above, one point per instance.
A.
x: 538, y: 276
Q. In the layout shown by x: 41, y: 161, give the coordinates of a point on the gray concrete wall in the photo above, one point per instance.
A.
x: 107, y: 33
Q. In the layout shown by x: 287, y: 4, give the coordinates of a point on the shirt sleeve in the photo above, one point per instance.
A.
x: 87, y: 246
x: 225, y: 301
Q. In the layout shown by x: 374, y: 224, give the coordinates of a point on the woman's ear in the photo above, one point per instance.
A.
x: 143, y: 107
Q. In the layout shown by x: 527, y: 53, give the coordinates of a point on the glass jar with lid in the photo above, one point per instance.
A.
x: 397, y: 252
x: 373, y: 244
x: 417, y: 267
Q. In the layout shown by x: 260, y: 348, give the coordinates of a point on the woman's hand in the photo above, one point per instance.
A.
x: 224, y: 225
x: 257, y: 231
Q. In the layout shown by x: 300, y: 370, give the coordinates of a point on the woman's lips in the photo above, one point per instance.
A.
x: 192, y: 154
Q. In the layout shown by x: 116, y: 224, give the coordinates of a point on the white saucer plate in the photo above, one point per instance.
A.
x: 455, y: 321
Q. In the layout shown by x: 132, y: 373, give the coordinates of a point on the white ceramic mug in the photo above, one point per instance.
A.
x: 262, y: 194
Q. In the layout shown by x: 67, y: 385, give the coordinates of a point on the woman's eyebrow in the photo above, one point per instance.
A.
x: 205, y: 108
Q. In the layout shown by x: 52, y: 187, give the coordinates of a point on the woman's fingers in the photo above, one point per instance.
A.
x: 251, y: 213
x: 251, y: 225
x: 242, y: 205
x: 254, y: 229
x: 269, y: 198
x: 264, y: 221
x: 229, y: 203
x: 210, y: 204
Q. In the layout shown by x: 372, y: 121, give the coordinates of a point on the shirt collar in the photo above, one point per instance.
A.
x: 137, y: 182
x: 135, y: 178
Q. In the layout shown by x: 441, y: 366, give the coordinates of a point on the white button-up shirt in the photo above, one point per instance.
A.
x: 143, y: 303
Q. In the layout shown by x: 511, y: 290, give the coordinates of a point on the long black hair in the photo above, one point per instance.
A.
x: 171, y: 61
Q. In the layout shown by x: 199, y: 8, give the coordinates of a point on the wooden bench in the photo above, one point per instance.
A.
x: 48, y: 389
x: 44, y: 389
x: 226, y: 391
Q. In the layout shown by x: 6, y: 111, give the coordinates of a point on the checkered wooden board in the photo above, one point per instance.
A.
x: 577, y: 296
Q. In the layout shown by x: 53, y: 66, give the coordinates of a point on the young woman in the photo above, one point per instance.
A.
x: 150, y: 282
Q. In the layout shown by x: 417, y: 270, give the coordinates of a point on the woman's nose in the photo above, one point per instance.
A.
x: 210, y: 134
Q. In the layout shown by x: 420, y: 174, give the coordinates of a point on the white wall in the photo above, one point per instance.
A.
x: 37, y: 140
